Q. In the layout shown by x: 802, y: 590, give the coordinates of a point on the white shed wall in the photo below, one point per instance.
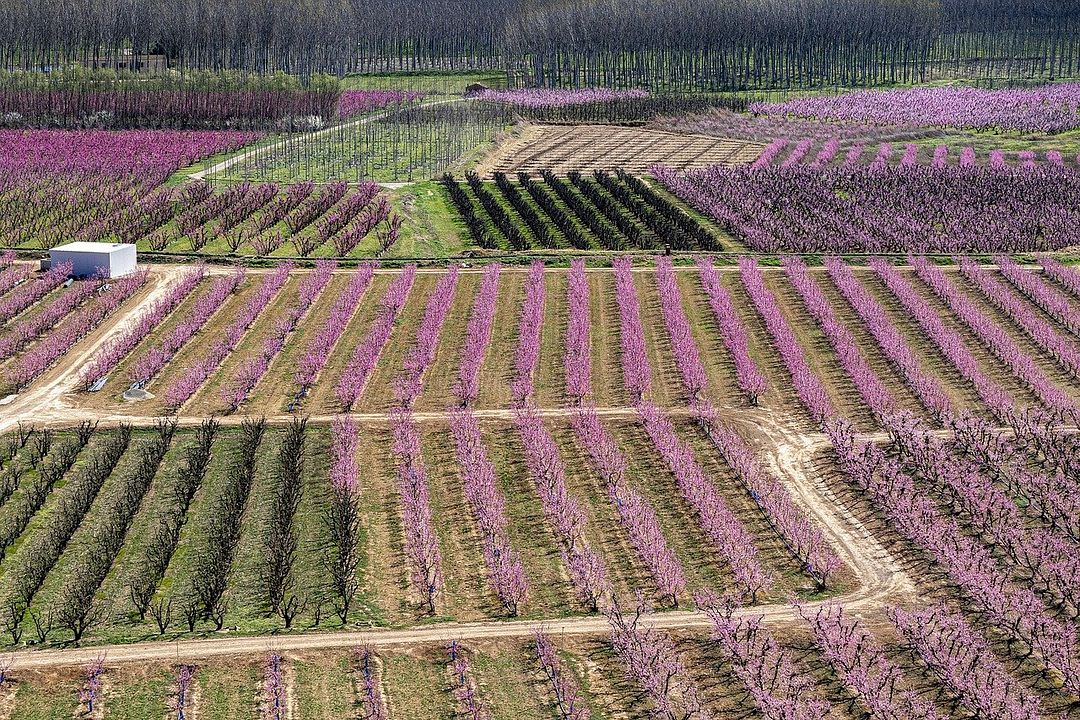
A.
x: 117, y: 259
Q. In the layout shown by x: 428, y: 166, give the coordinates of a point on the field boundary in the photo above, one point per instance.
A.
x: 881, y: 579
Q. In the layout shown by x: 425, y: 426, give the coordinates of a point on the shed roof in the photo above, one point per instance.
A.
x: 90, y: 247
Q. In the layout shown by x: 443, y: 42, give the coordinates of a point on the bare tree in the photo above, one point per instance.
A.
x: 281, y: 539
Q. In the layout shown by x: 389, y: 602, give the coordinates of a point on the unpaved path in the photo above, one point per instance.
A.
x: 43, y: 402
x: 478, y: 266
x: 60, y: 414
x: 789, y: 453
x: 785, y: 446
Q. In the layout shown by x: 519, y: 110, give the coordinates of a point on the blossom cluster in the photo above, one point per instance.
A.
x: 358, y: 102
x: 733, y: 332
x: 1045, y: 109
x: 478, y: 336
x: 47, y: 351
x: 553, y: 98
x: 561, y: 509
x: 326, y: 337
x: 115, y: 350
x: 427, y: 339
x: 253, y: 368
x: 362, y: 362
x: 150, y: 363
x: 888, y: 207
x: 578, y: 361
x: 528, y: 348
x: 421, y: 543
x: 193, y: 378
x: 505, y: 570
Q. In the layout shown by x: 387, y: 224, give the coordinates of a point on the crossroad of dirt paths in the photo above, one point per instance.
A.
x: 786, y: 448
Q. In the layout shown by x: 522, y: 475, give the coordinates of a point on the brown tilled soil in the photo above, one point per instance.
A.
x: 585, y: 148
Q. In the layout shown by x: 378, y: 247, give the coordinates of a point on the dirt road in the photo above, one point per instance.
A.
x: 787, y: 449
x: 880, y: 579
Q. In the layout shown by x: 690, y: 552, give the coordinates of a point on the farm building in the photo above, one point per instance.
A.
x: 87, y: 258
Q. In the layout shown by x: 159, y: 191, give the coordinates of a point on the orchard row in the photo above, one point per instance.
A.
x: 327, y: 341
x: 536, y: 677
x: 604, y: 211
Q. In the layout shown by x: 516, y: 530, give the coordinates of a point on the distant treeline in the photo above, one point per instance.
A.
x: 195, y: 99
x: 674, y: 45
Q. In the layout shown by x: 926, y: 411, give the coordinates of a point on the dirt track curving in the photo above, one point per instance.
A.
x: 787, y: 451
x: 786, y: 446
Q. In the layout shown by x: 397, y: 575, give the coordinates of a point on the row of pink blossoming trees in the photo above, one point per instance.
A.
x: 896, y: 483
x: 561, y: 510
x: 959, y: 657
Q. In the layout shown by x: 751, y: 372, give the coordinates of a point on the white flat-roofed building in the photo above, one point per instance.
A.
x: 88, y: 258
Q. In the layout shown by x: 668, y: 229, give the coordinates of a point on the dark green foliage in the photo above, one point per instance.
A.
x: 605, y: 233
x: 497, y: 213
x: 612, y: 211
x: 540, y: 234
x: 550, y: 206
x: 702, y: 238
x: 466, y: 207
